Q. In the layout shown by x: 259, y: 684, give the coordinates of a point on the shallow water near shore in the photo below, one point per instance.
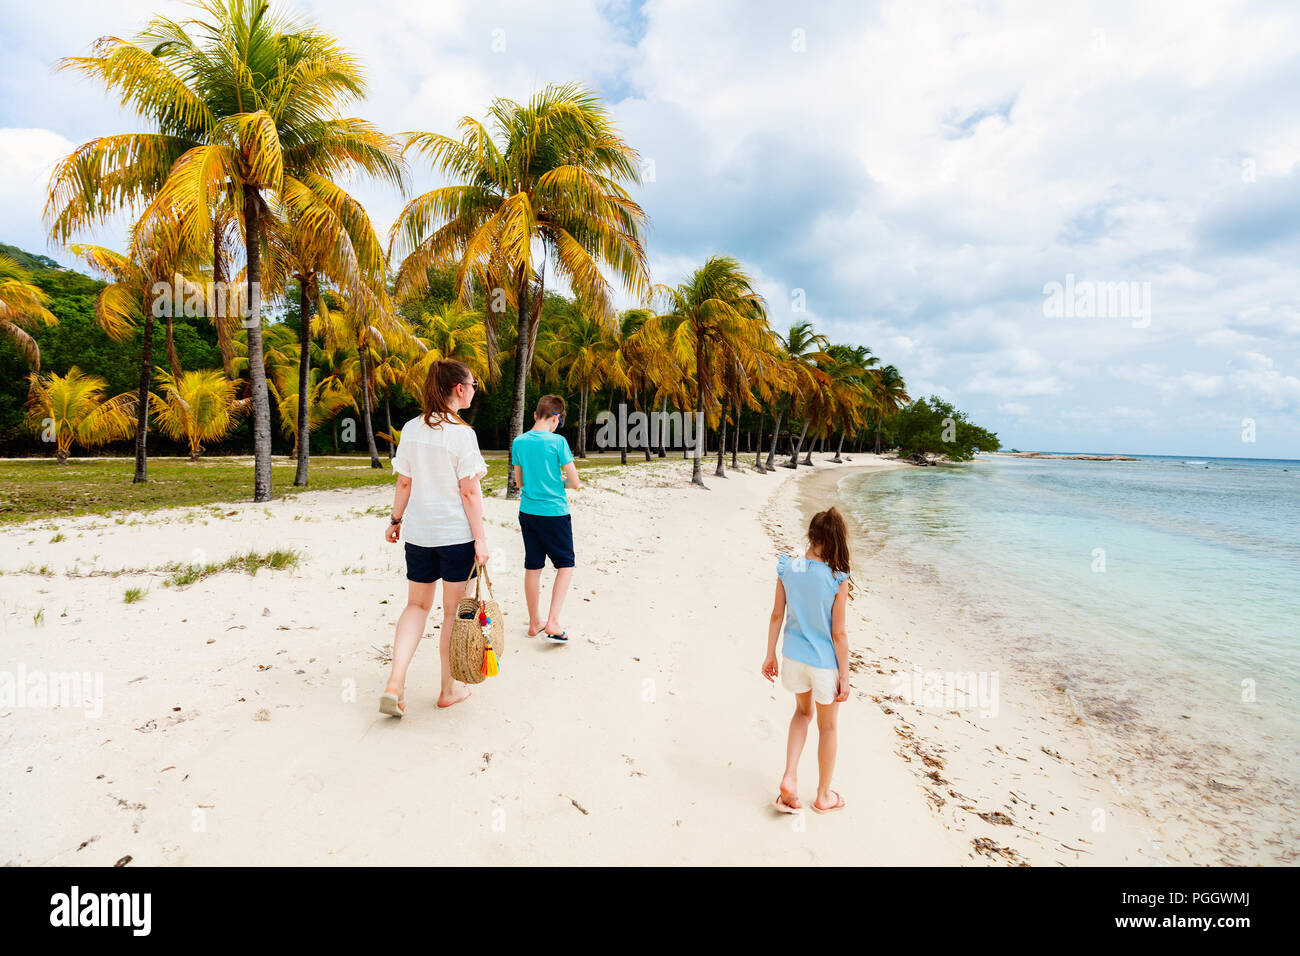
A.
x: 1157, y: 597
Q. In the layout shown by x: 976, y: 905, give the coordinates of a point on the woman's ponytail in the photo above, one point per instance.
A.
x: 444, y: 376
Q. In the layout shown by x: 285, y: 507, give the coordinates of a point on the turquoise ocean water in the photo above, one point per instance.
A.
x: 1163, y: 593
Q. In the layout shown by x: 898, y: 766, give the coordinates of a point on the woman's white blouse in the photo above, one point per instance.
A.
x: 436, y: 459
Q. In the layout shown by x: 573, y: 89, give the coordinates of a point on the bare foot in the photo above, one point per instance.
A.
x: 401, y: 696
x: 459, y: 692
x: 830, y: 800
x: 790, y: 792
x: 534, y: 628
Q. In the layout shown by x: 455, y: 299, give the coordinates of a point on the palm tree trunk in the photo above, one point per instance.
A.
x: 647, y: 425
x: 304, y: 378
x: 697, y: 470
x: 173, y: 359
x: 582, y: 423
x: 878, y: 420
x: 663, y: 427
x: 365, y: 404
x: 622, y: 438
x: 735, y: 435
x: 222, y: 307
x: 523, y: 359
x: 388, y: 417
x: 721, y: 472
x: 776, y: 431
x: 758, y: 454
x: 142, y: 401
x: 838, y: 448
x: 256, y: 361
x: 794, y: 458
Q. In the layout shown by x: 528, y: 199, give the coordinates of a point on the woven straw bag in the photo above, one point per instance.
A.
x: 467, y: 641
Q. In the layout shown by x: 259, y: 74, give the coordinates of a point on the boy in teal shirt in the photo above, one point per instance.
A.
x: 543, y: 468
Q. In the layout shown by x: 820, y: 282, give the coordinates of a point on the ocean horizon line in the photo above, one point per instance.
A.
x: 1142, y: 454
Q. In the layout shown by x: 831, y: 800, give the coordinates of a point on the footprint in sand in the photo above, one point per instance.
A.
x: 310, y: 781
x: 394, y: 822
x: 763, y: 728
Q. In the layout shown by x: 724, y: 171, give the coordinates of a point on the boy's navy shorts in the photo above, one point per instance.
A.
x: 546, y: 536
x: 451, y: 562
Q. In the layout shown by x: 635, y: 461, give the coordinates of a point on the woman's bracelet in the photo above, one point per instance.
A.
x: 394, y: 521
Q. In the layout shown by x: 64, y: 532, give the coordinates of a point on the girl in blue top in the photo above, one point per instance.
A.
x: 812, y: 594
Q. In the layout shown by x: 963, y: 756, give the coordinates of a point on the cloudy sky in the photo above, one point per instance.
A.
x: 913, y: 176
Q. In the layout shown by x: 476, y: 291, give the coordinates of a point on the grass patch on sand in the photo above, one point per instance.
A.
x: 186, y: 574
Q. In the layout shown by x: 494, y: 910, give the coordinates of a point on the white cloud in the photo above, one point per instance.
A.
x: 1256, y: 361
x: 985, y: 383
x: 1225, y: 339
x: 27, y: 156
x: 1203, y: 386
x: 1267, y: 388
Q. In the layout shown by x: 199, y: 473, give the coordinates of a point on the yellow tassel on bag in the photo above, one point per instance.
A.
x: 490, y: 667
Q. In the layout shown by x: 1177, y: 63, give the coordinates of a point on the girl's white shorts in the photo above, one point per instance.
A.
x: 799, y: 678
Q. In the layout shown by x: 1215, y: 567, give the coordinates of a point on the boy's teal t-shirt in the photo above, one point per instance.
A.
x: 810, y: 589
x: 542, y: 455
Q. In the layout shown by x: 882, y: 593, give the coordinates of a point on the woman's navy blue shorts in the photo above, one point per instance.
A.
x: 546, y: 536
x: 451, y: 562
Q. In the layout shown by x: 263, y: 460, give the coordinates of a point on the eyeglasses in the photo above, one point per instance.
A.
x: 472, y: 383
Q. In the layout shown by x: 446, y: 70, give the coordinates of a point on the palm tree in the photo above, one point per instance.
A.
x: 765, y: 371
x: 579, y: 352
x: 326, y: 397
x: 628, y: 364
x: 735, y: 389
x: 240, y: 115
x: 800, y: 348
x: 748, y: 375
x: 391, y: 369
x: 197, y: 407
x: 555, y: 182
x: 850, y: 389
x: 891, y: 395
x: 369, y: 336
x: 333, y: 359
x: 711, y: 318
x: 447, y: 332
x: 72, y: 406
x: 157, y: 258
x: 325, y: 236
x: 22, y: 308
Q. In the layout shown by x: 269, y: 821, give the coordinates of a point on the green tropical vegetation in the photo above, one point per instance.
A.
x: 934, y: 427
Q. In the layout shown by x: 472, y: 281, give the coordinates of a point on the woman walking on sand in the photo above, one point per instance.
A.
x: 438, y: 513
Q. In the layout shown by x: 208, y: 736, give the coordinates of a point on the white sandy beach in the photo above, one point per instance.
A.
x: 240, y: 721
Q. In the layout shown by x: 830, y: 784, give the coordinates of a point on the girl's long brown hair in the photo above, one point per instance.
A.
x: 829, y: 537
x: 444, y: 376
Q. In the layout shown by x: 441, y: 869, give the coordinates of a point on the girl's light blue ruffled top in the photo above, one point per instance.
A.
x: 810, y: 589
